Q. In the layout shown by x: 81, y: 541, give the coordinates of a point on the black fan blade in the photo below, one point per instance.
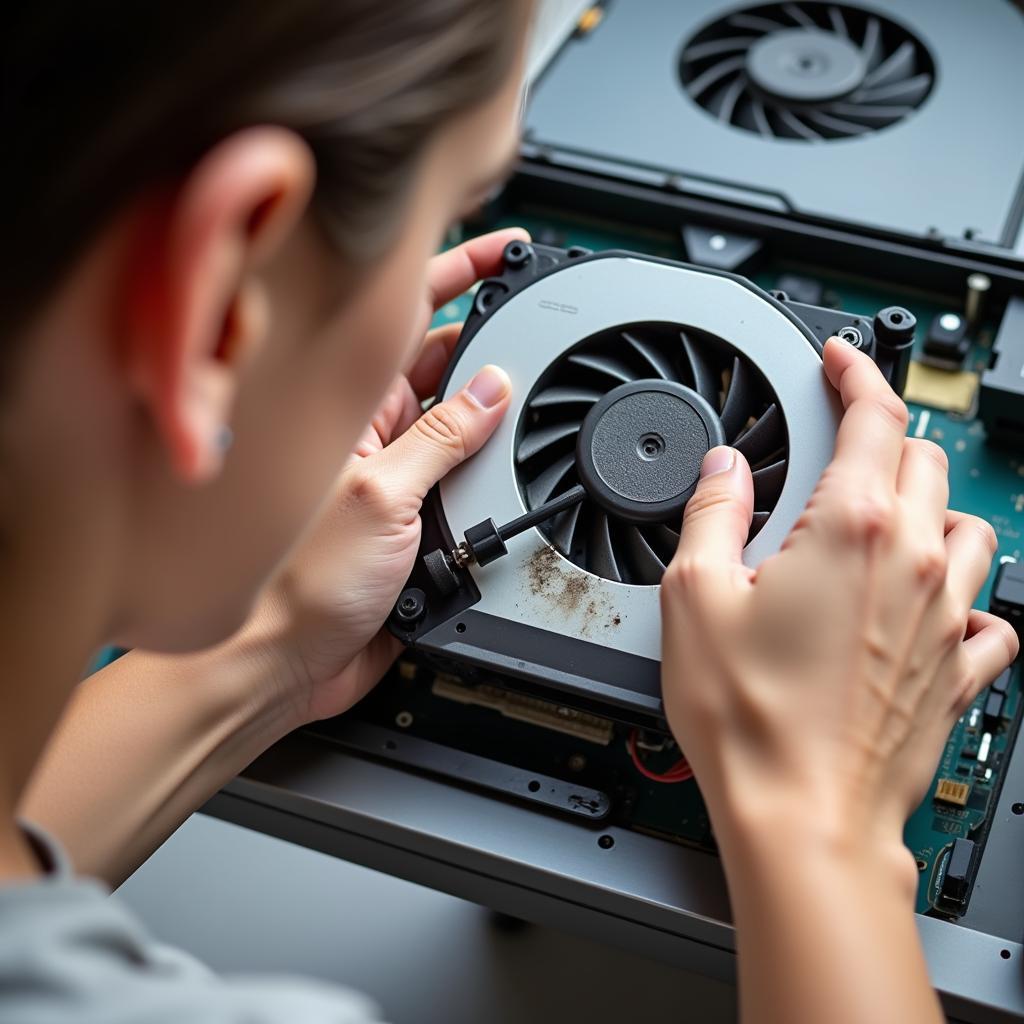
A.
x: 605, y: 365
x: 705, y: 379
x: 600, y: 553
x: 716, y: 47
x: 794, y: 126
x: 871, y: 48
x: 897, y: 67
x: 768, y: 484
x: 801, y: 17
x: 834, y: 126
x: 760, y: 118
x: 563, y: 529
x: 537, y: 440
x: 544, y: 486
x: 835, y: 16
x: 764, y: 438
x: 754, y: 23
x: 715, y: 73
x: 652, y: 356
x: 875, y: 116
x: 738, y: 399
x: 663, y: 539
x: 909, y: 92
x: 757, y: 522
x: 645, y: 567
x: 722, y: 102
x: 565, y: 396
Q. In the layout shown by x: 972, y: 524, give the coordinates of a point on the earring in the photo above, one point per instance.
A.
x: 225, y: 438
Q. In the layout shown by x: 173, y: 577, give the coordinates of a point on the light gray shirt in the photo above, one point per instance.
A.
x: 71, y: 954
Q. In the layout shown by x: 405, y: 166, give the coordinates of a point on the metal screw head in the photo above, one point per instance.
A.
x: 403, y: 719
x: 410, y: 606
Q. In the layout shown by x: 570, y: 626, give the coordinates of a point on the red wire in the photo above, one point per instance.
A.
x: 679, y: 772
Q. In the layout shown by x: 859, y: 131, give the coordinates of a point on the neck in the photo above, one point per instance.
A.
x: 47, y: 641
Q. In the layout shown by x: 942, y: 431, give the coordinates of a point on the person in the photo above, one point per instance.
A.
x: 215, y: 359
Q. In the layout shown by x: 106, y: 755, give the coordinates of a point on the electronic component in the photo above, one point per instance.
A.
x: 946, y: 344
x: 952, y: 791
x: 974, y: 719
x: 1001, y: 684
x: 984, y: 748
x: 1007, y: 599
x: 524, y: 708
x: 941, y: 389
x: 978, y: 287
x: 894, y: 329
x: 956, y: 882
x: 1001, y: 405
x: 801, y: 289
x: 994, y: 709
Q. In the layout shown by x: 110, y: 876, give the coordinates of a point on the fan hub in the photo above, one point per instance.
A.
x: 805, y: 65
x: 639, y: 450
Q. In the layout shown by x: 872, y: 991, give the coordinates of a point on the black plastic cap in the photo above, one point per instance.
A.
x: 485, y: 543
x: 894, y: 328
x: 441, y: 571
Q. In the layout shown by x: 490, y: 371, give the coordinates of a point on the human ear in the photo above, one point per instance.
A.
x: 196, y: 303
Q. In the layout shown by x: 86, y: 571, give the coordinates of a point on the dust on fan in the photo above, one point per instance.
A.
x: 725, y: 399
x: 807, y: 71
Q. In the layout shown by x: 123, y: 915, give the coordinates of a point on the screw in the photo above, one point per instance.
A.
x: 411, y: 606
x: 403, y: 719
x: 852, y: 335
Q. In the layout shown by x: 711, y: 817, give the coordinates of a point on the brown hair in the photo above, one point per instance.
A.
x: 107, y: 98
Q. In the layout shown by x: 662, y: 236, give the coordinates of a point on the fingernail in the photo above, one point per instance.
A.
x: 489, y: 386
x: 718, y: 460
x: 839, y: 341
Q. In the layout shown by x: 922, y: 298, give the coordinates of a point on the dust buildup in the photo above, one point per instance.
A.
x: 569, y: 592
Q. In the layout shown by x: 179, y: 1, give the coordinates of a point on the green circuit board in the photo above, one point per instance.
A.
x: 984, y: 480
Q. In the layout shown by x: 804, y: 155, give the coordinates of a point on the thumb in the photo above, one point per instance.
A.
x: 717, y: 518
x: 449, y: 432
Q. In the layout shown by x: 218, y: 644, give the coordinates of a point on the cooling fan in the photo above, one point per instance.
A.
x: 541, y: 556
x: 807, y: 71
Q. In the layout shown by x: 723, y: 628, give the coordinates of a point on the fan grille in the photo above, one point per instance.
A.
x: 670, y: 357
x: 807, y: 71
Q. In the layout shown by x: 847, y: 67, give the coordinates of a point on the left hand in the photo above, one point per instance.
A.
x: 327, y: 608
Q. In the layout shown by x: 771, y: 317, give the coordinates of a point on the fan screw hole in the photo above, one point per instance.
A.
x: 518, y: 254
x: 403, y: 719
x: 606, y: 842
x: 1018, y: 808
x: 1005, y: 954
x: 411, y: 606
x: 853, y: 336
x: 650, y: 446
x: 390, y: 745
x: 533, y: 786
x: 460, y: 627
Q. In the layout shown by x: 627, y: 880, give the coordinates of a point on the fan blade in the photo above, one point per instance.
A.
x: 722, y: 102
x: 705, y: 380
x: 871, y: 48
x: 537, y: 440
x: 563, y: 528
x: 715, y: 73
x: 645, y: 567
x: 877, y: 117
x: 757, y: 522
x: 911, y: 91
x: 789, y: 120
x: 738, y: 399
x: 761, y: 119
x: 834, y: 126
x: 544, y: 486
x: 898, y: 66
x: 768, y: 484
x: 764, y: 438
x: 564, y: 396
x: 754, y: 23
x: 601, y: 555
x: 800, y: 17
x: 664, y: 540
x: 716, y: 47
x: 835, y: 16
x: 605, y: 365
x: 651, y: 355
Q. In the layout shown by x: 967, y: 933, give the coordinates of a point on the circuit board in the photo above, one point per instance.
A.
x: 474, y: 716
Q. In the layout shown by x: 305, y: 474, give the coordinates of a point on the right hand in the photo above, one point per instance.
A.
x: 818, y: 690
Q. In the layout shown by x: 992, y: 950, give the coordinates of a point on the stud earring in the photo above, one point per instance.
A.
x: 225, y: 438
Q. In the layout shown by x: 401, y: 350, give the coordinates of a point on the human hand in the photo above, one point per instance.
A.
x: 322, y: 618
x: 816, y: 692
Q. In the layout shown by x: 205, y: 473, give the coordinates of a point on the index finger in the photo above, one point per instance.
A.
x: 452, y: 272
x: 869, y: 443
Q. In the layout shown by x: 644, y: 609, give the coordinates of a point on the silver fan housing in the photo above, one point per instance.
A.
x: 535, y: 584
